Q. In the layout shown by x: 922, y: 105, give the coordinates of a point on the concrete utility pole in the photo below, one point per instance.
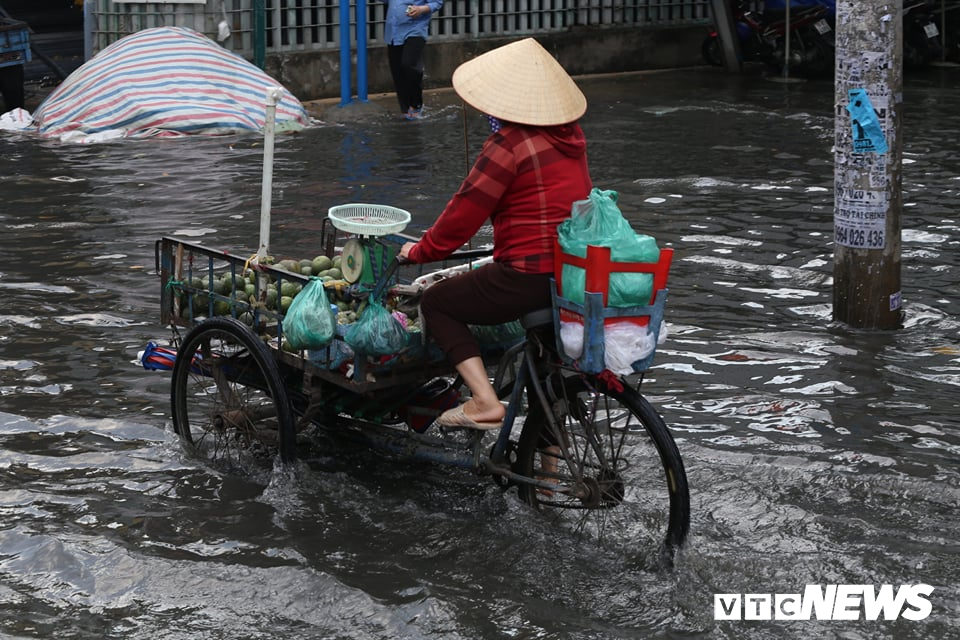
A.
x: 727, y: 33
x: 868, y: 197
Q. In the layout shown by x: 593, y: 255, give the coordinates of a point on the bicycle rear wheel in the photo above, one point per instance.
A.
x: 613, y: 464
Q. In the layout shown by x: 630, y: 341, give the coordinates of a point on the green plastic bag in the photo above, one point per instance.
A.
x: 498, y: 335
x: 377, y: 332
x: 597, y: 221
x: 309, y: 322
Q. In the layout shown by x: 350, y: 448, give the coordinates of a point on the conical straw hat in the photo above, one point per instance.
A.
x: 520, y: 82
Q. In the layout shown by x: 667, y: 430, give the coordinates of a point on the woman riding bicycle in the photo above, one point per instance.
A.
x: 530, y: 171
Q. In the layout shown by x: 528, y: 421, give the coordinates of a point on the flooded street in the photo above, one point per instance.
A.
x: 816, y: 454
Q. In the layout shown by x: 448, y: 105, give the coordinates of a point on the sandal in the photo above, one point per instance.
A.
x: 456, y: 418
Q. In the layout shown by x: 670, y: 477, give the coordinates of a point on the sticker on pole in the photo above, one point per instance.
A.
x: 867, y: 132
x: 860, y: 218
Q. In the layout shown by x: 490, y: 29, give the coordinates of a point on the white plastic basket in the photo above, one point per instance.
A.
x: 368, y: 219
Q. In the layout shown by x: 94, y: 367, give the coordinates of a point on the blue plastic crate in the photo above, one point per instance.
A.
x: 594, y: 314
x: 14, y: 43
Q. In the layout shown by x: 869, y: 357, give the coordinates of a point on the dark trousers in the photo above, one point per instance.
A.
x: 492, y: 294
x: 406, y: 67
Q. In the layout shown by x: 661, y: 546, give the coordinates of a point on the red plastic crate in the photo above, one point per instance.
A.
x: 599, y: 266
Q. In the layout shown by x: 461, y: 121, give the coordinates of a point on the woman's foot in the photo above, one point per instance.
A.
x: 469, y: 416
x: 492, y: 413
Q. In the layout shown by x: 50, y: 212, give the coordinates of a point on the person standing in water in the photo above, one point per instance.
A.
x: 405, y: 31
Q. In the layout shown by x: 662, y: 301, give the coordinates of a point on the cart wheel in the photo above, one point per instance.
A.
x: 615, y: 468
x: 229, y: 403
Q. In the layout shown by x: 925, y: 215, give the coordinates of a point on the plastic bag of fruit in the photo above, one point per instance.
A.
x: 310, y: 323
x: 377, y: 332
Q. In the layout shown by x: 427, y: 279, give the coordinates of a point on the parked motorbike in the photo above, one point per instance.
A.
x: 762, y: 36
x: 921, y: 36
x: 947, y: 16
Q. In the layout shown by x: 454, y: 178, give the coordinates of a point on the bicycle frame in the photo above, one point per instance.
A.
x: 527, y: 378
x: 434, y: 449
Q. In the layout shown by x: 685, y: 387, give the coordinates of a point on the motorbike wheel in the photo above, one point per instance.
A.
x: 711, y: 51
x: 919, y: 50
x: 819, y: 58
x: 810, y: 56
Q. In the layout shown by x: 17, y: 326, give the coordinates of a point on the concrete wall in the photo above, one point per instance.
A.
x: 316, y: 75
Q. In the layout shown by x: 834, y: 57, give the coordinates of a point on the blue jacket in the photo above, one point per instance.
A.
x: 399, y: 26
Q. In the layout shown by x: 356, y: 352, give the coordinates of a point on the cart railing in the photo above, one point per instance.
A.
x: 199, y: 282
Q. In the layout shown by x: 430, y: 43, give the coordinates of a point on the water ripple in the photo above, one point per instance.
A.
x: 97, y: 320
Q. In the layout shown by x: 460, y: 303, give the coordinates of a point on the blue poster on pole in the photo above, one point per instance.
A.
x: 867, y: 133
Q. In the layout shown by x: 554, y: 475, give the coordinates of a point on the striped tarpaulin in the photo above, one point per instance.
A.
x: 167, y: 81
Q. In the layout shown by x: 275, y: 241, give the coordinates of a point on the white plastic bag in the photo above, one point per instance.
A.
x: 623, y: 343
x: 571, y: 336
x: 16, y: 120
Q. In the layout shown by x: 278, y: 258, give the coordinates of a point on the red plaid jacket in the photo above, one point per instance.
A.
x: 524, y: 181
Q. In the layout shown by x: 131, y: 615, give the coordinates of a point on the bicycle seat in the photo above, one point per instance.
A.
x: 537, y: 318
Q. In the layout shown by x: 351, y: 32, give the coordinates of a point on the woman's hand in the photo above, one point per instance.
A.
x: 417, y: 10
x: 404, y: 254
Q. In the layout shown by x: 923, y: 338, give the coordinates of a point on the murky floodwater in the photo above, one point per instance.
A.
x: 816, y: 454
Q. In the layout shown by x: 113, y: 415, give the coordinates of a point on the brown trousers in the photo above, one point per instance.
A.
x: 492, y: 294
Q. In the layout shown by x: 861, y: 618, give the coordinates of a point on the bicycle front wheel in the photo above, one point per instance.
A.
x: 612, y: 466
